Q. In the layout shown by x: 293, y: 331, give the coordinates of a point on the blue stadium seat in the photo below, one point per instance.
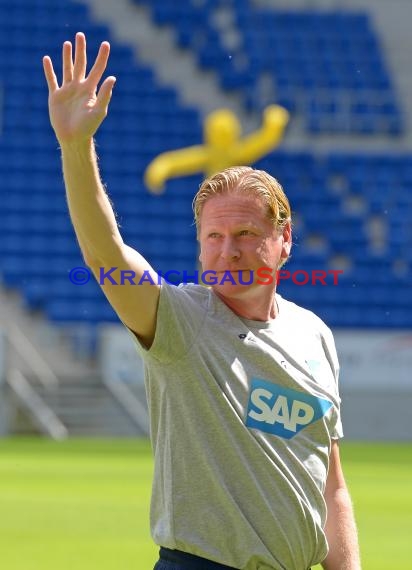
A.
x: 335, y: 57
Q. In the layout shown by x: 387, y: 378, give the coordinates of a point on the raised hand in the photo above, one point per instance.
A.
x: 76, y: 108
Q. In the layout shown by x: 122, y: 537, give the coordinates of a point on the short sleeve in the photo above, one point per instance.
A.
x: 180, y: 315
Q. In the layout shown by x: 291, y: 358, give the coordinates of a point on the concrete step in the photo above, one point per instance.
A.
x: 88, y: 408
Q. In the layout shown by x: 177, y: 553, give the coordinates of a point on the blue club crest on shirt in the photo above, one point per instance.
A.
x: 282, y: 411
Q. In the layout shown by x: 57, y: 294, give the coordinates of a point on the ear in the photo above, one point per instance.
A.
x: 287, y: 241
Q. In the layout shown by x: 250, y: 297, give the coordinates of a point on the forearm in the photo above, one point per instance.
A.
x: 341, y: 534
x: 90, y: 209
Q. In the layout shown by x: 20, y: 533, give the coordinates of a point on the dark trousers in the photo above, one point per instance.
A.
x: 177, y: 560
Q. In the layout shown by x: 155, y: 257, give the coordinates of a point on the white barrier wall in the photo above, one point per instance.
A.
x: 2, y: 357
x: 376, y: 384
x: 3, y: 398
x: 375, y: 379
x: 118, y: 357
x: 375, y: 360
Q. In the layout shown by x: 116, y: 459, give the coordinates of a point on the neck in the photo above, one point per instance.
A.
x: 254, y: 308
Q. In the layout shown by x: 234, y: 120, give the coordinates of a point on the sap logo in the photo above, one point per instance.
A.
x: 282, y: 411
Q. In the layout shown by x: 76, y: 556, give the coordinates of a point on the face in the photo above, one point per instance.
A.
x: 236, y: 236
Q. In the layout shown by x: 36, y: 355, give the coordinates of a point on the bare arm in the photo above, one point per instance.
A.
x: 76, y: 111
x: 340, y: 525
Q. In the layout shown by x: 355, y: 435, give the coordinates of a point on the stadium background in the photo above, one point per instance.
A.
x: 342, y: 69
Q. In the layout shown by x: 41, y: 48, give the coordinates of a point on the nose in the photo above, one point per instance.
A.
x: 230, y: 250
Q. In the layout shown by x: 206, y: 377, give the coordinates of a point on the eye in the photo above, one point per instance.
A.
x: 214, y: 235
x: 246, y: 233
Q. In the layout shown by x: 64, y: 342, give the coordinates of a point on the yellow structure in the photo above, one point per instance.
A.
x: 223, y: 147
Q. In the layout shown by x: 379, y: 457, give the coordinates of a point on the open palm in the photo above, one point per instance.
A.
x: 76, y: 108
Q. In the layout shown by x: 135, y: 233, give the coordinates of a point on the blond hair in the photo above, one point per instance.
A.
x: 248, y: 181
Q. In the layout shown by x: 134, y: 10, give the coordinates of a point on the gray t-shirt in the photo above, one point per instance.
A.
x: 242, y: 416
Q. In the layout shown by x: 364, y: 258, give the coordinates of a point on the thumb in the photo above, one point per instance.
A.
x: 105, y: 94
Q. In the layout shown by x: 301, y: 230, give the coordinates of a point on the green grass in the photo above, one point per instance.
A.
x: 84, y: 504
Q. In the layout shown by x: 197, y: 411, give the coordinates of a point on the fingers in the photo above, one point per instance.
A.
x: 49, y: 74
x: 80, y: 60
x: 105, y: 94
x: 100, y: 64
x: 77, y: 71
x: 67, y: 62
